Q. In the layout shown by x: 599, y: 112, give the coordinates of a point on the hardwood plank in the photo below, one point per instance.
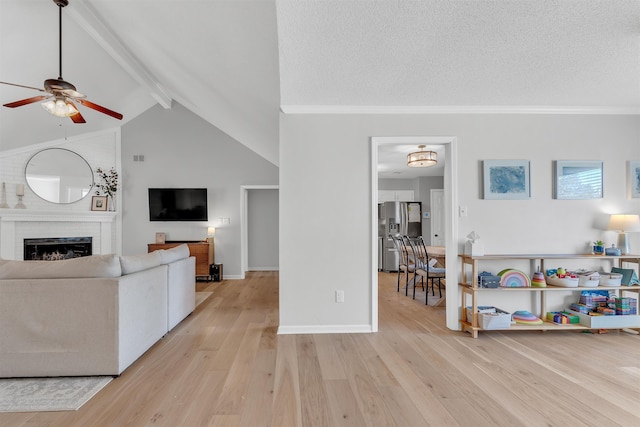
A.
x: 343, y: 404
x: 287, y: 404
x: 313, y: 394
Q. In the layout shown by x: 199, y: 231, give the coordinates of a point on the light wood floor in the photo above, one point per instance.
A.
x: 225, y: 366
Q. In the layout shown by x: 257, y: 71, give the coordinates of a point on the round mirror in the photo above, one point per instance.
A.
x: 59, y: 176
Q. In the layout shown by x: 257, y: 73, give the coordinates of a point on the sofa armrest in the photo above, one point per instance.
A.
x: 181, y: 289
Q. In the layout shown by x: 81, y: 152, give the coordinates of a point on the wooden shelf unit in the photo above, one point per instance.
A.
x: 471, y: 289
x: 200, y: 250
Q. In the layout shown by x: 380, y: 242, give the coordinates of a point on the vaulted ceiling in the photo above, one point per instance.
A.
x: 237, y: 63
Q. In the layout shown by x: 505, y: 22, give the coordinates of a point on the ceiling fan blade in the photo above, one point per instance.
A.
x: 25, y: 101
x: 100, y: 108
x: 76, y: 118
x: 26, y: 87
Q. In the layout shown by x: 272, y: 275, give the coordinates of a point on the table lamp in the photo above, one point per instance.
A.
x: 623, y: 223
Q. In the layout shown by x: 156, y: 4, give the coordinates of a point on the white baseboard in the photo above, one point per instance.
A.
x: 325, y: 329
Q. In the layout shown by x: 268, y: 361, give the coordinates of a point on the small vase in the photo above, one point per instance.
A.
x: 598, y: 249
x: 111, y: 204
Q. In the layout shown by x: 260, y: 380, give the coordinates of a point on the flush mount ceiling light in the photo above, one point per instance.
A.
x: 422, y: 158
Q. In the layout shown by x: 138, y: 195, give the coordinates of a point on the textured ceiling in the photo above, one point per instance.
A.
x: 235, y: 63
x: 434, y: 53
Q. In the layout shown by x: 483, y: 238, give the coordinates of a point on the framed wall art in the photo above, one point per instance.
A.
x: 578, y: 179
x: 633, y: 179
x: 99, y: 203
x: 506, y: 179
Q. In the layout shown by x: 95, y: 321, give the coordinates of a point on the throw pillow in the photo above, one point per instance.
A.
x: 174, y: 254
x: 134, y: 263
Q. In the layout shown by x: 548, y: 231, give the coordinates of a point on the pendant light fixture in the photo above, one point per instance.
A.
x: 422, y: 158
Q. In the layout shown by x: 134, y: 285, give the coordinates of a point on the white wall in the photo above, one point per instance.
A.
x: 182, y: 150
x: 339, y: 176
x: 262, y: 221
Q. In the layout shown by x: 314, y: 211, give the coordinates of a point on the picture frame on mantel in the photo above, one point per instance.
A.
x: 633, y: 179
x: 506, y: 179
x: 99, y: 203
x: 161, y: 238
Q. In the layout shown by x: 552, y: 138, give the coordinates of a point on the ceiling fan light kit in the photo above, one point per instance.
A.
x: 422, y: 158
x: 59, y: 108
x: 61, y: 94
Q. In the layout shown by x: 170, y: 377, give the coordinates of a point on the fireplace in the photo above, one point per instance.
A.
x: 57, y: 248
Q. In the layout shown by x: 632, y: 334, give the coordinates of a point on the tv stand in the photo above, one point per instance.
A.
x: 198, y: 249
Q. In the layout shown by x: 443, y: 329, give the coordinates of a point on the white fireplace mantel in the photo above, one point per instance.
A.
x: 10, y: 218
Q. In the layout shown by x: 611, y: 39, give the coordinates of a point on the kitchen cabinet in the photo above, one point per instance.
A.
x: 470, y: 292
x: 396, y: 196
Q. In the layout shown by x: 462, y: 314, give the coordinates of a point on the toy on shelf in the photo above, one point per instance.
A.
x: 538, y: 281
x: 525, y: 317
x: 512, y: 278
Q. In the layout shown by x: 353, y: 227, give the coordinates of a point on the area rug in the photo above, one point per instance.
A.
x: 48, y: 394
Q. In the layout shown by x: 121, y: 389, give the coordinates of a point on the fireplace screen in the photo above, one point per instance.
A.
x: 57, y: 248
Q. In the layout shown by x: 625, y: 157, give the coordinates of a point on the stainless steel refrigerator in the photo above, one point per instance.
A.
x: 403, y: 218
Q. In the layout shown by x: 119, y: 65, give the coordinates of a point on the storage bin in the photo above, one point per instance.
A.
x: 481, y: 309
x: 617, y: 321
x: 588, y: 279
x: 491, y: 317
x: 498, y: 320
x: 610, y: 279
x: 565, y: 282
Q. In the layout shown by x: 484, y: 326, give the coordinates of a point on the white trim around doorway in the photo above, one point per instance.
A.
x: 244, y: 226
x: 451, y: 220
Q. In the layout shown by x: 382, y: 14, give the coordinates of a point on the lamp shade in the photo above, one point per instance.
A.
x: 59, y: 107
x: 422, y: 158
x: 624, y: 222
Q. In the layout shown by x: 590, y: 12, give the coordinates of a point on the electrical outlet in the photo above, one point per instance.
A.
x: 339, y: 296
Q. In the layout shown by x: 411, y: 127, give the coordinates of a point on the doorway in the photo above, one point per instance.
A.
x: 450, y: 220
x: 259, y: 216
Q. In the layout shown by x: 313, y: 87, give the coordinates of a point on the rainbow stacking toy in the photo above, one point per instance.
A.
x: 525, y: 317
x: 512, y: 278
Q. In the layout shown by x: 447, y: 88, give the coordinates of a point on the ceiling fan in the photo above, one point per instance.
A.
x: 59, y: 93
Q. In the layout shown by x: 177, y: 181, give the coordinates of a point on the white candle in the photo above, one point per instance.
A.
x: 20, y: 190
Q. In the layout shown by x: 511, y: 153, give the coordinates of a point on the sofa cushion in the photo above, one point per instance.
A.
x: 133, y: 263
x: 174, y: 254
x: 90, y: 266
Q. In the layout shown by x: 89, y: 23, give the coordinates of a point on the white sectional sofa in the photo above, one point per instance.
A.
x: 92, y: 315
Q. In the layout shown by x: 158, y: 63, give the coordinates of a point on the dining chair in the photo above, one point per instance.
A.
x: 412, y: 263
x: 402, y: 263
x: 427, y: 270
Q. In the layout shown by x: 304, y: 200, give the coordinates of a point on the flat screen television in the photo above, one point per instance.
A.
x: 178, y: 204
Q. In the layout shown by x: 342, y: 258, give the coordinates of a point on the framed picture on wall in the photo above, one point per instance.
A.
x: 633, y: 179
x: 578, y: 179
x: 506, y: 179
x: 99, y: 203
